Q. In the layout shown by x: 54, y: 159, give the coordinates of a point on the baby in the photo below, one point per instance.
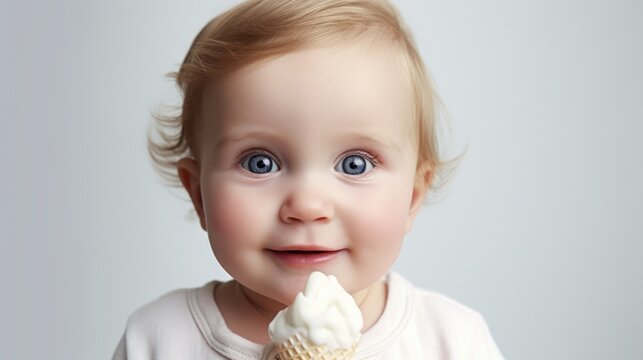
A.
x: 306, y: 143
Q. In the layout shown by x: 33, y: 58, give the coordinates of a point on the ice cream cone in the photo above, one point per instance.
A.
x: 323, y: 323
x: 299, y: 348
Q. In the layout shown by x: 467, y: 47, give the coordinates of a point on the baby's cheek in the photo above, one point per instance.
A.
x: 228, y: 215
x: 382, y: 223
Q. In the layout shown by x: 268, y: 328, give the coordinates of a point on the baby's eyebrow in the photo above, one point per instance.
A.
x: 232, y: 138
x: 347, y: 137
x: 365, y: 137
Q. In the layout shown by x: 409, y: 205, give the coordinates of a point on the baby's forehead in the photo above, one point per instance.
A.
x: 347, y: 78
x: 329, y: 91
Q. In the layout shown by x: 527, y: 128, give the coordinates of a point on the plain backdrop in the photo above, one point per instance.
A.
x: 540, y: 230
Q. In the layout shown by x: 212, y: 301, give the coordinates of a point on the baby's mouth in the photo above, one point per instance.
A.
x: 305, y: 251
x: 304, y: 257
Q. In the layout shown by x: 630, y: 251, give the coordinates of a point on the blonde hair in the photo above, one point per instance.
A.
x: 256, y: 30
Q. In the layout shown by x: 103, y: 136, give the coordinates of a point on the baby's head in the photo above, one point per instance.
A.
x: 306, y: 140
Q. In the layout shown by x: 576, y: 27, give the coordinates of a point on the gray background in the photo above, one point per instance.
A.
x: 538, y: 231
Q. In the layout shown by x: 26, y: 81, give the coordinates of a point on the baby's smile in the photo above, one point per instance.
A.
x: 304, y: 256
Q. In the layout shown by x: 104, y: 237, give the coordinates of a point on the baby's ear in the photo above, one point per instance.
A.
x: 423, y: 176
x: 190, y: 176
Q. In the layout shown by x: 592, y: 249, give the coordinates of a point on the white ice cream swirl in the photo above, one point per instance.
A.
x: 324, y: 313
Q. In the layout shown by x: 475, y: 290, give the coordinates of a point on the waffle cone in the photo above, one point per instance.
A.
x: 299, y: 348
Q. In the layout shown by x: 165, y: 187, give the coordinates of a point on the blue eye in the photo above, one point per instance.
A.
x: 354, y: 165
x: 259, y: 164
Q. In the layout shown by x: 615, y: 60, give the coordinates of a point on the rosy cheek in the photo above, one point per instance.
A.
x: 227, y: 213
x: 382, y: 222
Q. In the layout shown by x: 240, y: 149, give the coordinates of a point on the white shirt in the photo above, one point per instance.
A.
x: 416, y: 324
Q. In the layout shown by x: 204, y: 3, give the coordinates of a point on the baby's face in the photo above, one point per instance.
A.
x: 308, y: 163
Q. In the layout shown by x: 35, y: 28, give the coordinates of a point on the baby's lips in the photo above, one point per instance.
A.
x: 303, y: 247
x: 304, y: 259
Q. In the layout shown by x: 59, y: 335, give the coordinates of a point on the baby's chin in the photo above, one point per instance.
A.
x: 287, y: 289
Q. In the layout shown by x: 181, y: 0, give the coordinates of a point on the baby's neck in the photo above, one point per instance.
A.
x: 242, y: 316
x: 246, y: 318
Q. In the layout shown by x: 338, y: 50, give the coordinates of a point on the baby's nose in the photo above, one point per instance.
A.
x: 307, y: 201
